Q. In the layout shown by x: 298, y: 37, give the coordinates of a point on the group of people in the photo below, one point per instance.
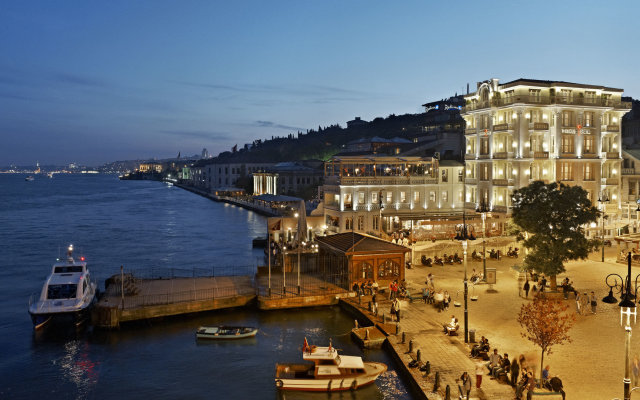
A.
x: 400, y: 238
x: 537, y: 288
x: 517, y: 372
x: 586, y: 303
x: 452, y: 326
x: 365, y: 288
x: 430, y: 295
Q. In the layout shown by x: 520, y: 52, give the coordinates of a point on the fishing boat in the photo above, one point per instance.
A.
x: 225, y: 332
x: 327, y: 371
x: 66, y: 296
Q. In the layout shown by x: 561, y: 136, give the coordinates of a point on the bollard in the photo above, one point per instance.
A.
x: 404, y: 337
x: 436, y: 383
x: 359, y: 299
x: 418, y: 354
x: 447, y: 393
x: 410, y: 345
x: 397, y: 328
x: 384, y: 318
x: 369, y: 307
x: 427, y: 368
x: 356, y: 321
x: 366, y: 334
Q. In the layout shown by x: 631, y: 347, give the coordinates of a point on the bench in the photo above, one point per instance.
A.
x: 452, y: 331
x: 547, y: 394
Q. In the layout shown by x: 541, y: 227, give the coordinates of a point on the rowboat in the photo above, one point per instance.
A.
x: 327, y: 371
x: 225, y: 332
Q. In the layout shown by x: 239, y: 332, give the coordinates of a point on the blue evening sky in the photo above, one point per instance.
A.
x: 97, y: 81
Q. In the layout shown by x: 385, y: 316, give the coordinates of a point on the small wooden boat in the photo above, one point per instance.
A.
x: 327, y: 371
x: 225, y: 332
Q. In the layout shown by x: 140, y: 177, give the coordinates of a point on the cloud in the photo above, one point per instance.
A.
x: 78, y: 80
x: 269, y: 124
x: 199, y: 134
x: 285, y: 89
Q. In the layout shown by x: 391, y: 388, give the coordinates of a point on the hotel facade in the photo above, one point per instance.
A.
x: 384, y: 194
x: 527, y: 130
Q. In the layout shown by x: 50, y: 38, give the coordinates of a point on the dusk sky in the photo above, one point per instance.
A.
x: 98, y: 81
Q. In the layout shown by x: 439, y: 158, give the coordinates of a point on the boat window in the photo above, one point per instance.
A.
x: 64, y: 291
x: 68, y: 268
x: 84, y: 286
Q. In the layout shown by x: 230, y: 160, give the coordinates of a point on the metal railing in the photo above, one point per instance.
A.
x: 597, y: 101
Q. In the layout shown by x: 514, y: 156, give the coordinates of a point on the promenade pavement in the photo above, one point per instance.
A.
x: 591, y: 366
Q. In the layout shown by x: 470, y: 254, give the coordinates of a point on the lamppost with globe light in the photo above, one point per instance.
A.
x: 627, y: 310
x: 464, y: 236
x: 483, y: 209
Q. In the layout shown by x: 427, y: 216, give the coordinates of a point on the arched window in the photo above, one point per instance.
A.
x: 364, y: 270
x: 389, y: 269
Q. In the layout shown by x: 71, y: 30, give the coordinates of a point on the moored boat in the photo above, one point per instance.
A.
x: 327, y: 371
x: 29, y: 178
x: 67, y: 295
x: 226, y: 332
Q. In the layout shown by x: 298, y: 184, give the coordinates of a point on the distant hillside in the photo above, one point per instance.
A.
x: 325, y: 142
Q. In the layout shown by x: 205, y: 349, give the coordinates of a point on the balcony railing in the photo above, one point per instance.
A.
x: 500, y: 209
x: 610, y: 128
x: 483, y: 156
x: 471, y: 181
x: 387, y: 180
x: 612, y: 154
x: 609, y: 181
x: 539, y: 126
x: 629, y: 171
x: 502, y: 182
x: 500, y: 127
x: 597, y: 101
x: 500, y: 155
x: 470, y: 131
x: 540, y: 154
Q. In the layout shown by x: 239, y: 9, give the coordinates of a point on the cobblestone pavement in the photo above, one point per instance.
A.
x: 591, y: 366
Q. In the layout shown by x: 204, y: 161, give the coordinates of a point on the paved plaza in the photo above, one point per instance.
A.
x: 591, y: 367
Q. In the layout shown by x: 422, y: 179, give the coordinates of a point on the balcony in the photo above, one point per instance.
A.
x: 500, y: 209
x: 470, y: 131
x: 501, y: 127
x: 539, y: 126
x: 387, y: 180
x: 470, y: 156
x: 484, y: 156
x: 540, y: 154
x: 502, y: 182
x: 574, y: 99
x: 629, y: 171
x: 500, y: 155
x: 612, y: 155
x: 611, y: 128
x: 610, y: 181
x: 471, y: 181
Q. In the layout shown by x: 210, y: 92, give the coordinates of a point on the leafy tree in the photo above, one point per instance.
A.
x: 551, y: 220
x: 546, y: 323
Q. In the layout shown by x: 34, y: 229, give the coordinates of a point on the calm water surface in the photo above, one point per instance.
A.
x: 142, y: 224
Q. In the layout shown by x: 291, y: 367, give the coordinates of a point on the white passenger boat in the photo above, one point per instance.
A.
x: 327, y: 371
x: 226, y: 332
x: 67, y: 294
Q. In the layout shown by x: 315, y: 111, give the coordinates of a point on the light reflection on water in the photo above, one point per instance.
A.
x: 77, y: 367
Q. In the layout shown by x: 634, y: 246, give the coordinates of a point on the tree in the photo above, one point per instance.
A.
x: 551, y: 220
x: 546, y: 323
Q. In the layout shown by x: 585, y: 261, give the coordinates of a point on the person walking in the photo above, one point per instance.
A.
x: 526, y: 289
x: 593, y: 301
x: 397, y: 307
x: 635, y: 369
x: 465, y: 388
x: 374, y: 304
x: 393, y: 309
x: 578, y: 303
x: 515, y: 370
x: 479, y: 373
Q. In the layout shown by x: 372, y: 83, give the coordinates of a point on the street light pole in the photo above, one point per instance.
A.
x: 627, y: 310
x: 483, y: 209
x: 602, y: 200
x: 463, y: 235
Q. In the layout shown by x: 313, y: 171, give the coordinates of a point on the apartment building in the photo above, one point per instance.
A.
x: 527, y: 130
x: 376, y: 194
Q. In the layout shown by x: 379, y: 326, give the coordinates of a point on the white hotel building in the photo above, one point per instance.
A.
x: 527, y: 130
x: 384, y: 194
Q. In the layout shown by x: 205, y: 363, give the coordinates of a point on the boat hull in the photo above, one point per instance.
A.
x: 333, y: 384
x: 215, y: 334
x: 77, y: 318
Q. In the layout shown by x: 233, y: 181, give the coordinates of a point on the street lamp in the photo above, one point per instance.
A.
x: 604, y: 198
x: 627, y: 309
x: 483, y: 209
x: 464, y: 236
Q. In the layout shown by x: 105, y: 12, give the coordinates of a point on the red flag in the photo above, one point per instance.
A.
x: 305, y: 346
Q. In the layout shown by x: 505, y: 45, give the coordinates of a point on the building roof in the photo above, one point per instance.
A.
x: 352, y: 242
x: 279, y: 197
x: 635, y: 153
x: 450, y: 163
x: 538, y: 82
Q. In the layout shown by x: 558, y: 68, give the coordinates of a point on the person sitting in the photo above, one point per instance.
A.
x: 369, y: 287
x: 452, y: 326
x: 494, y: 360
x: 556, y: 386
x: 374, y: 286
x: 425, y: 295
x: 545, y: 377
x: 503, y: 368
x: 480, y: 347
x: 438, y: 299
